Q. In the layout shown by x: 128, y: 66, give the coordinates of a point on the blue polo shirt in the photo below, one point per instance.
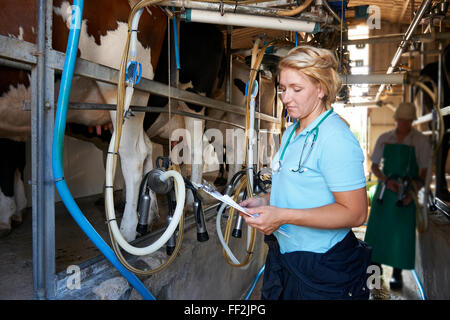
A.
x: 335, y: 164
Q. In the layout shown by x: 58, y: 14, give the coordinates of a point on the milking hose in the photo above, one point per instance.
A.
x: 57, y: 154
x: 109, y: 202
x: 124, y: 96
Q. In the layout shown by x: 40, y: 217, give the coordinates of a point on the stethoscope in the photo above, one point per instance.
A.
x: 315, y: 132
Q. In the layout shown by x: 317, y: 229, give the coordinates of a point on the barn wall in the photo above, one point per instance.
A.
x: 83, y: 170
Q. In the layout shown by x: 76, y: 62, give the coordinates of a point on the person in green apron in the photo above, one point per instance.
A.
x: 399, y: 160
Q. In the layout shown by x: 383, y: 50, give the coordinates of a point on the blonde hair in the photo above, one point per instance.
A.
x: 320, y: 65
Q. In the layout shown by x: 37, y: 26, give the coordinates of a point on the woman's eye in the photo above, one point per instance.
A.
x: 297, y: 89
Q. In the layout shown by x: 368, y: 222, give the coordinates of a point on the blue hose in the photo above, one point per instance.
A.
x: 175, y: 40
x: 419, y: 285
x: 250, y: 291
x: 57, y: 152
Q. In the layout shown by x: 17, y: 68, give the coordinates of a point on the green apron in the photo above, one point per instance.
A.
x: 391, y: 229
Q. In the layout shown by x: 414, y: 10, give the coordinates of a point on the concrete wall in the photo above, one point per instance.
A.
x: 200, y: 272
x: 433, y: 258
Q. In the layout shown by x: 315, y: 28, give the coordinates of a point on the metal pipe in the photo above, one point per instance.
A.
x: 334, y: 14
x: 247, y: 20
x: 229, y: 66
x: 423, y: 7
x: 231, y: 8
x: 43, y: 209
x: 399, y: 37
x: 397, y: 78
x: 103, y: 106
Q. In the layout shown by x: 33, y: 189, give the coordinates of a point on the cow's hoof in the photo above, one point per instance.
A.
x: 16, y: 221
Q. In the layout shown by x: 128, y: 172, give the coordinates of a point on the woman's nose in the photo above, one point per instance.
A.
x: 285, y: 97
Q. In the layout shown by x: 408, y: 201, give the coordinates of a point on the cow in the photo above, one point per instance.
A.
x: 429, y: 76
x: 103, y: 34
x: 266, y: 103
x: 201, y: 48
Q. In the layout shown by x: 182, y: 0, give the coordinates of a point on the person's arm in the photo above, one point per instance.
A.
x: 349, y: 210
x: 390, y: 183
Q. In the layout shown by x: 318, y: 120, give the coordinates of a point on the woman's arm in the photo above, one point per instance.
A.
x: 349, y: 210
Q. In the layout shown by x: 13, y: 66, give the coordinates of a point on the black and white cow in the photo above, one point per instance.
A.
x: 266, y: 103
x: 103, y: 33
x: 201, y: 48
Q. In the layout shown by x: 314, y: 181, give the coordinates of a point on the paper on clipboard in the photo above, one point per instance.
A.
x: 229, y: 201
x: 225, y: 199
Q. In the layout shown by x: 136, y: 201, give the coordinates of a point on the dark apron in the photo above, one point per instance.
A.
x: 391, y: 228
x: 339, y: 274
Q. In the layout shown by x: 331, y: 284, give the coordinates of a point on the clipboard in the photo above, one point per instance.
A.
x: 207, y: 188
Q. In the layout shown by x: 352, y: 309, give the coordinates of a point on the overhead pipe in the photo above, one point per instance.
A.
x: 241, y: 9
x: 404, y: 44
x: 397, y: 78
x: 57, y: 154
x: 246, y: 20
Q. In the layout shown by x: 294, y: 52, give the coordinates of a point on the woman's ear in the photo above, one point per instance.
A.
x: 320, y: 92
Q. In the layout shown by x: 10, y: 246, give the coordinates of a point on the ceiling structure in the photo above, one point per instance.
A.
x: 393, y: 11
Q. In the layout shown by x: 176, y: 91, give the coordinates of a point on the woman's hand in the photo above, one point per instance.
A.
x: 268, y: 218
x: 254, y: 202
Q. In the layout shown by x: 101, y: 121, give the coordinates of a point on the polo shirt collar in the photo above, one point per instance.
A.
x: 313, y: 124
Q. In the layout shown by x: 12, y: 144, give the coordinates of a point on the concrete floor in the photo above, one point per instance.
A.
x: 73, y: 247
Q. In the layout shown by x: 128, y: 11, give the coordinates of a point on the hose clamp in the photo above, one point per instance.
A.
x: 133, y: 72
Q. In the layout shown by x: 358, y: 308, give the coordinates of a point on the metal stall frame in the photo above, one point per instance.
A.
x: 43, y: 62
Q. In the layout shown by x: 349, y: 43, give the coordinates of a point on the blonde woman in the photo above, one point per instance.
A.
x: 318, y: 191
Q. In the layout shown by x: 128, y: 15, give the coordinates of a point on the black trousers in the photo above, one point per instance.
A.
x: 340, y: 273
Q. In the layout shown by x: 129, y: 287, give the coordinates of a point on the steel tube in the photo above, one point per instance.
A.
x: 240, y: 9
x: 247, y: 20
x: 43, y: 200
x: 397, y: 78
x: 423, y: 7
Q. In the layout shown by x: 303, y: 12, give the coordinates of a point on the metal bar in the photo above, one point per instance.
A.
x: 442, y: 206
x: 426, y: 118
x: 15, y: 64
x: 106, y: 74
x: 43, y: 209
x: 396, y: 78
x: 402, y: 46
x: 110, y: 107
x: 240, y: 9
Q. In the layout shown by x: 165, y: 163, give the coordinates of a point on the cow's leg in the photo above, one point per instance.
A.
x: 148, y: 166
x: 19, y: 198
x: 10, y: 160
x: 7, y: 210
x: 195, y: 129
x: 134, y: 149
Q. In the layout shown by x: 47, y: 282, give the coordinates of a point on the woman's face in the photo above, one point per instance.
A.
x: 301, y: 96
